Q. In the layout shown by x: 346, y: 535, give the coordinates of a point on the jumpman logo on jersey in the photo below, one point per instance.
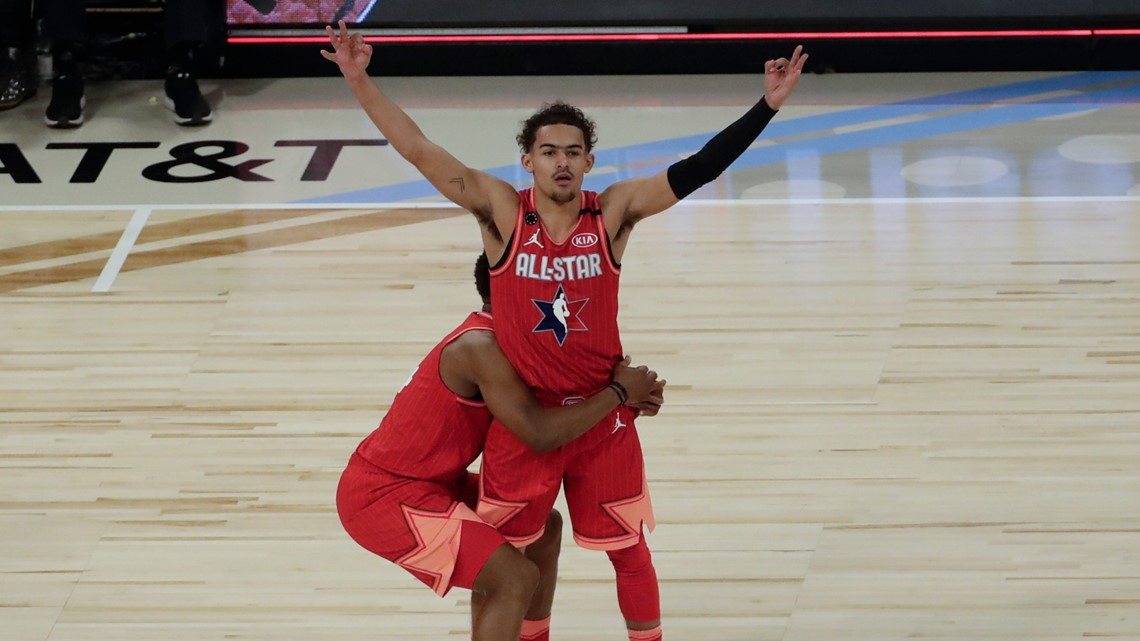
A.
x: 617, y: 423
x: 560, y: 316
x: 535, y: 240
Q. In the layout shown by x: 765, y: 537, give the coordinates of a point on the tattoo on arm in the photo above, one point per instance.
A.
x: 462, y: 183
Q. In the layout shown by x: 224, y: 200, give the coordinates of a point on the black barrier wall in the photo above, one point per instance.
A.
x: 719, y: 15
x: 1046, y: 35
x: 741, y: 13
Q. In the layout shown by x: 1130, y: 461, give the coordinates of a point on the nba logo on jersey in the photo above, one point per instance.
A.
x: 560, y: 316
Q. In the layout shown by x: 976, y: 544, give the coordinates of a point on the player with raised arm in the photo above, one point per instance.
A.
x: 556, y: 255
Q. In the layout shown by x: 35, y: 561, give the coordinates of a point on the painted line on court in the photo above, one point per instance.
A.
x: 122, y: 250
x: 823, y: 124
x: 932, y: 200
x: 207, y: 206
x: 906, y: 132
x: 704, y: 202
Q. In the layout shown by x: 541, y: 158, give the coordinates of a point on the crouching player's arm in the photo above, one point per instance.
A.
x: 545, y: 428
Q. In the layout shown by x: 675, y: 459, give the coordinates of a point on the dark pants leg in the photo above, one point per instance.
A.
x: 193, y: 21
x: 186, y: 21
x: 193, y: 29
x: 16, y: 27
x: 64, y: 20
x: 183, y: 21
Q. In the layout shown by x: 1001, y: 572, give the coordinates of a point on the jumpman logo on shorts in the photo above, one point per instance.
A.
x: 617, y: 423
x: 534, y: 240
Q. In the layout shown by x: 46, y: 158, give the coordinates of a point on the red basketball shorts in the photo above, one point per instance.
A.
x: 603, y: 474
x: 425, y: 527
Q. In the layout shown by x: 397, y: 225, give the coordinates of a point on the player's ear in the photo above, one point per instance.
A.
x: 589, y: 162
x: 527, y: 164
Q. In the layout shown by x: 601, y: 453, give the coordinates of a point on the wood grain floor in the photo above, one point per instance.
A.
x: 885, y: 421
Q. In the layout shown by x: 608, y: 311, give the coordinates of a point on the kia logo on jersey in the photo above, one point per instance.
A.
x: 585, y: 239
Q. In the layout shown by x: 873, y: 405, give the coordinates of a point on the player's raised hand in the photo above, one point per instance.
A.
x: 781, y: 76
x: 350, y: 52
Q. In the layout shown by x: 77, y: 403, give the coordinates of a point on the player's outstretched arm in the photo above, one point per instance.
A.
x: 476, y: 191
x: 542, y: 428
x: 626, y: 202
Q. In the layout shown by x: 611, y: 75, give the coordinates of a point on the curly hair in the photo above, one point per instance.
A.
x: 483, y: 277
x: 557, y: 113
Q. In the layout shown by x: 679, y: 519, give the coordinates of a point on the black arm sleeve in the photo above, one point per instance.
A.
x: 688, y: 175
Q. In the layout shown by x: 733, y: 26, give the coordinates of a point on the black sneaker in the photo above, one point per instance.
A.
x: 65, y: 111
x: 17, y: 81
x: 185, y: 100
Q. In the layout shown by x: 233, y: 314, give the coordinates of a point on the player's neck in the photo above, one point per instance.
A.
x: 559, y: 218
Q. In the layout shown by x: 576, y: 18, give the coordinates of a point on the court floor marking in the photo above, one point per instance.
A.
x: 142, y: 213
x: 717, y: 202
x: 122, y: 250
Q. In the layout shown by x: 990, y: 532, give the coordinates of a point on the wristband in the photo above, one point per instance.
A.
x: 623, y: 395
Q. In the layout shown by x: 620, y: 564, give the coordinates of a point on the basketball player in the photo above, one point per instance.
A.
x: 406, y: 495
x: 551, y: 243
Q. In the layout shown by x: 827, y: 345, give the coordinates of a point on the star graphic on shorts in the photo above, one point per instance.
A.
x: 633, y: 512
x: 560, y: 320
x: 436, y: 533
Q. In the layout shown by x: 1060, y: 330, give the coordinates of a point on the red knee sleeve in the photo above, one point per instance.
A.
x: 638, y: 595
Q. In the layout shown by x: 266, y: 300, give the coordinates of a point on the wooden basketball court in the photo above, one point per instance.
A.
x: 888, y: 418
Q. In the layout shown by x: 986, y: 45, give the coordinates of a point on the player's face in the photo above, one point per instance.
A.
x: 559, y: 161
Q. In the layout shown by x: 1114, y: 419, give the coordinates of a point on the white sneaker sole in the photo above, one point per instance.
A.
x: 68, y: 124
x: 186, y: 121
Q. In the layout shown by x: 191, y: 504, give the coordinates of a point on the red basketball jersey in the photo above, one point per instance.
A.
x: 556, y: 303
x: 430, y: 433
